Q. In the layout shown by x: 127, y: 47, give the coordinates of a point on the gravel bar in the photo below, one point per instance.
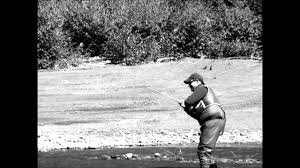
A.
x: 91, y: 136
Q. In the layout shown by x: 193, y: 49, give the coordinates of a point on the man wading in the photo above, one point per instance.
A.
x: 203, y: 106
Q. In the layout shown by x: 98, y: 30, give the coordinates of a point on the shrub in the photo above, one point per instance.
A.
x: 82, y: 26
x: 139, y: 31
x: 66, y: 28
x: 235, y: 33
x: 254, y: 5
x: 133, y: 37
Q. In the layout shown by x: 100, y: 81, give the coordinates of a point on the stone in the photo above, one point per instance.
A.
x: 135, y: 156
x: 116, y: 157
x: 157, y: 154
x: 147, y: 157
x: 128, y: 155
x: 92, y: 158
x: 179, y: 158
x: 105, y: 157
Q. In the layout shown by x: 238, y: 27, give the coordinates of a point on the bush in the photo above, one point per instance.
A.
x: 83, y: 27
x: 46, y: 39
x: 233, y: 32
x: 254, y: 5
x: 135, y: 35
x: 66, y: 28
x: 138, y: 31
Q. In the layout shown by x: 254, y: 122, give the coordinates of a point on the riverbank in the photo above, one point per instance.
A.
x: 87, y: 136
x: 102, y: 105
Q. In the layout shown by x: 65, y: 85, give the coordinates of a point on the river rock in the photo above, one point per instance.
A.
x: 104, y: 157
x: 128, y: 155
x: 92, y: 158
x: 156, y: 154
x: 116, y: 157
x: 179, y: 158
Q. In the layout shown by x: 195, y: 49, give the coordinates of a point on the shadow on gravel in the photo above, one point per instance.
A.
x: 226, y: 157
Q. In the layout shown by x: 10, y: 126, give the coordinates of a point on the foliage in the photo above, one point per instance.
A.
x: 254, y: 5
x: 140, y: 31
x: 237, y: 33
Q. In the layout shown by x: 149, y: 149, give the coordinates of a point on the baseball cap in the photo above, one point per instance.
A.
x: 192, y: 77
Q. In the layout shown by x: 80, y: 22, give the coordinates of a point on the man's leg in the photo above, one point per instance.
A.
x: 210, y: 132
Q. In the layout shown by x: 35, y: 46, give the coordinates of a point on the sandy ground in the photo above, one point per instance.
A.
x: 98, y: 105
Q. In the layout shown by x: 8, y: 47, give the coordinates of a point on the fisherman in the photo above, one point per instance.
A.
x: 204, y: 106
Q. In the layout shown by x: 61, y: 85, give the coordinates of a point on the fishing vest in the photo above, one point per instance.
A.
x: 209, y: 106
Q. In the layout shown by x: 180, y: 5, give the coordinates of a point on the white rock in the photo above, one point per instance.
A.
x: 128, y: 155
x: 157, y: 154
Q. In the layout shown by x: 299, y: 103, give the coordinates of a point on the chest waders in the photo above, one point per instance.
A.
x: 212, y: 119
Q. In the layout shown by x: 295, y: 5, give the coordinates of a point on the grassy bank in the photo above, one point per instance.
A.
x: 105, y: 105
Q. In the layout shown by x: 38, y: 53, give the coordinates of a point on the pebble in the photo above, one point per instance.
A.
x: 92, y: 158
x: 57, y: 138
x: 116, y: 157
x: 179, y: 158
x: 135, y: 156
x: 105, y: 157
x: 128, y: 155
x: 147, y: 157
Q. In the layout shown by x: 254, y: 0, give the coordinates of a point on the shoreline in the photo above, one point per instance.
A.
x: 79, y: 138
x: 219, y: 145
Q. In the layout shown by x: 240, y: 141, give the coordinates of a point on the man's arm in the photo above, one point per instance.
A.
x: 198, y: 94
x: 189, y: 104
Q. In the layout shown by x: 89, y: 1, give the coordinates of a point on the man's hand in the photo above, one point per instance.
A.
x: 181, y: 104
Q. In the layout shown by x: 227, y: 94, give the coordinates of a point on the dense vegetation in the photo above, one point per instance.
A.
x: 139, y: 31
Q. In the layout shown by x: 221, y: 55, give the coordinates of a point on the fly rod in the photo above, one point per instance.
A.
x: 174, y: 99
